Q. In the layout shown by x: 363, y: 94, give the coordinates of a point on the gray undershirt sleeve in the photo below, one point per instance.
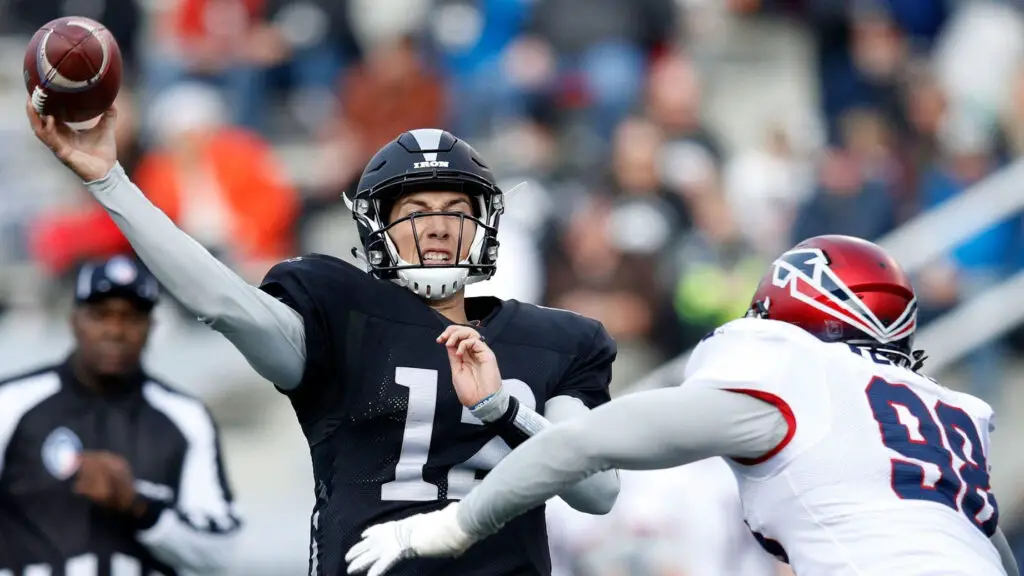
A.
x: 268, y: 332
x: 643, y: 431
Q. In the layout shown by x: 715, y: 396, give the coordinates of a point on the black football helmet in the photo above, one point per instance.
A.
x: 427, y: 160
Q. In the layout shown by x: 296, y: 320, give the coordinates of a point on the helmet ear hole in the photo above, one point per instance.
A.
x: 384, y: 208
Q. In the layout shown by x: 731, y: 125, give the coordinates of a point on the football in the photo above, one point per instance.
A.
x: 73, y: 69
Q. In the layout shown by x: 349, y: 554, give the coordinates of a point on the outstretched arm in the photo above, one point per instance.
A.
x: 266, y: 331
x: 477, y: 382
x: 593, y: 495
x: 643, y: 431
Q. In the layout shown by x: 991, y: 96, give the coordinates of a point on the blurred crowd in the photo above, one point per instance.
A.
x: 245, y: 120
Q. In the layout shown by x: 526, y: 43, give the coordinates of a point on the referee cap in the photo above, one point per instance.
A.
x: 118, y: 277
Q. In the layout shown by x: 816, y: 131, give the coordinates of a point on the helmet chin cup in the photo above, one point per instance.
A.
x: 433, y: 283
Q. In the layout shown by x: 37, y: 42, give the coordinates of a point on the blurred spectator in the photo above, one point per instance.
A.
x: 980, y: 262
x: 845, y: 203
x: 243, y: 46
x: 606, y: 266
x: 636, y: 174
x: 591, y: 275
x: 389, y: 92
x: 966, y: 158
x: 989, y: 32
x: 536, y: 197
x: 471, y: 38
x: 854, y: 195
x: 870, y: 142
x: 714, y: 269
x: 765, y: 186
x: 232, y: 44
x: 861, y: 52
x: 213, y: 41
x: 596, y: 50
x: 692, y: 156
x: 925, y: 105
x: 308, y: 43
x: 219, y: 183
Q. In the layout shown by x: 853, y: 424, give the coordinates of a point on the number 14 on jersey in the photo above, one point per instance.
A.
x: 939, y: 433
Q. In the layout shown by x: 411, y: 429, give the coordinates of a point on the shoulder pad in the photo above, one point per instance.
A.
x: 315, y: 275
x: 980, y: 410
x: 758, y: 328
x: 747, y: 348
x: 559, y: 329
x: 316, y: 265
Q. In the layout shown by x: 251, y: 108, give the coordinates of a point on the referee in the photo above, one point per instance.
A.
x: 105, y: 471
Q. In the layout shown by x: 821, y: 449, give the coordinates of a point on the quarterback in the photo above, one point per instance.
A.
x: 849, y: 460
x: 407, y: 391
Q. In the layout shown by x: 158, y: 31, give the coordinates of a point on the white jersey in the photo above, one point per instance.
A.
x: 883, y: 471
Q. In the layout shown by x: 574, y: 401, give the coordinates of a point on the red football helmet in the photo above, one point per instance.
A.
x: 843, y: 289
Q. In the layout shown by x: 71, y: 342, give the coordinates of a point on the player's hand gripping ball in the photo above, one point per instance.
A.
x: 72, y: 69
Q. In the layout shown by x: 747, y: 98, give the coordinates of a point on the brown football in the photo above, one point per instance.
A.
x: 73, y: 69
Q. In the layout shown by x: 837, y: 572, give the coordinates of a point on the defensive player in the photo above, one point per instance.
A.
x: 849, y: 461
x: 366, y: 359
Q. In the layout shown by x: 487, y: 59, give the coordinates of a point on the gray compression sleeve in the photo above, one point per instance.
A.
x: 265, y: 330
x: 643, y: 431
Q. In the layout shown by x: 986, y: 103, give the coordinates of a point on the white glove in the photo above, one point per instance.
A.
x: 436, y: 534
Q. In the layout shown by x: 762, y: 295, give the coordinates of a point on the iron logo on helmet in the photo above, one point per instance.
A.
x: 843, y: 289
x: 419, y: 161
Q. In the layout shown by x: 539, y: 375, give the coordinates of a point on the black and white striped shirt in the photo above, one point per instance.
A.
x: 172, y: 444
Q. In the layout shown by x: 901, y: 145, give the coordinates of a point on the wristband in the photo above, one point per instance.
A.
x: 519, y: 423
x: 491, y: 409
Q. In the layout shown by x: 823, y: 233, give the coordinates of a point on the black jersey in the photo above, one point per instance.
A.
x: 47, y: 418
x: 387, y: 433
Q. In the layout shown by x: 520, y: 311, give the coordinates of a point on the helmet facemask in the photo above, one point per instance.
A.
x: 431, y: 281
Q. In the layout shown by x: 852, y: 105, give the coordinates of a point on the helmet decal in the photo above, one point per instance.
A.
x: 811, y: 280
